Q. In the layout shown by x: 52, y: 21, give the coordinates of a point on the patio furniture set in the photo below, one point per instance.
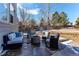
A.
x: 51, y: 42
x: 15, y: 39
x: 12, y: 40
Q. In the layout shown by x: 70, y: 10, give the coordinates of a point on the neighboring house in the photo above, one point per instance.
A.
x: 8, y: 20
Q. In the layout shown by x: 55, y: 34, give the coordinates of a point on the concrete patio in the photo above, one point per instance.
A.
x: 29, y: 50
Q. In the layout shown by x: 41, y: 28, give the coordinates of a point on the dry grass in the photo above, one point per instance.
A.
x: 72, y: 34
x: 68, y: 33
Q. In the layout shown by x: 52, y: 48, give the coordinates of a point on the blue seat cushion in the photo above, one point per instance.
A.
x: 18, y: 34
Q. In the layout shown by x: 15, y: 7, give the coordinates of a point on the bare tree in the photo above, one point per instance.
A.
x: 45, y: 13
x: 43, y: 24
x: 25, y: 17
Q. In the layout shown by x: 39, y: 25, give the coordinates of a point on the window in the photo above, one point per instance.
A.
x: 3, y: 12
x: 11, y: 18
x: 11, y: 13
x: 7, y: 12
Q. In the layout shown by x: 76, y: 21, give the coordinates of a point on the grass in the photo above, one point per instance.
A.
x: 72, y: 34
x: 69, y: 33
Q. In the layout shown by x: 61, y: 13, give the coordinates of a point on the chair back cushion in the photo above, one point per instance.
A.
x: 12, y: 36
x: 35, y: 39
x: 18, y: 34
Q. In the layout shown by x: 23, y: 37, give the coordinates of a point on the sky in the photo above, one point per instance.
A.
x: 34, y: 9
x: 71, y: 9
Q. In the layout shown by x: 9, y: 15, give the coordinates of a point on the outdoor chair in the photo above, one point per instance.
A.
x: 35, y: 40
x: 52, y: 43
x: 12, y: 40
x: 45, y: 36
